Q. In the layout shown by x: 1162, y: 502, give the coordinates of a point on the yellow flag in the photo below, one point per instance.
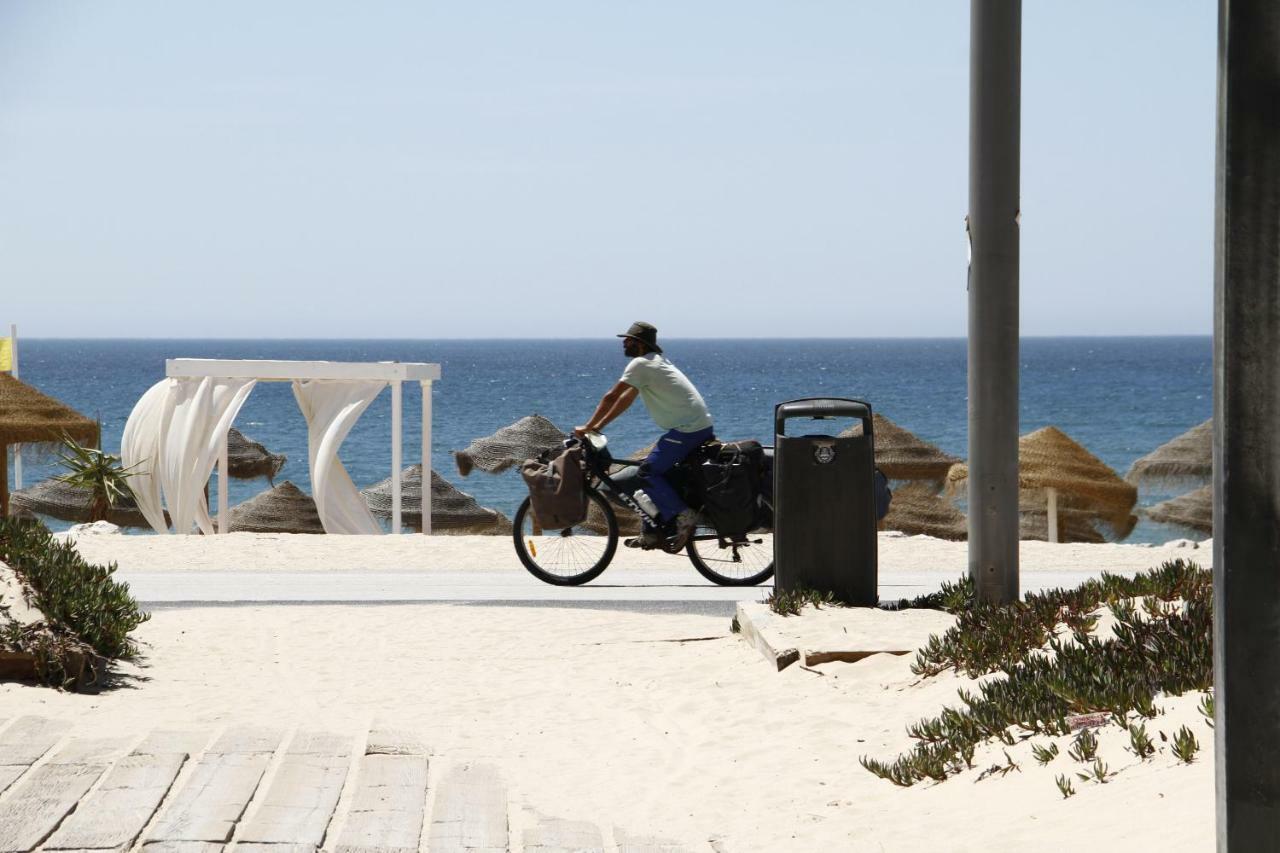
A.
x: 6, y: 354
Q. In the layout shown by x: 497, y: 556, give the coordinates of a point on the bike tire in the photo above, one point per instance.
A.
x: 545, y: 571
x: 710, y: 573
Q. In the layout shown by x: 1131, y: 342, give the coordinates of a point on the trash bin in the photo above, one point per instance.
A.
x: 824, y: 533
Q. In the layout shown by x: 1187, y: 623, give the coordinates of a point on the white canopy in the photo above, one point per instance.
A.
x: 179, y: 427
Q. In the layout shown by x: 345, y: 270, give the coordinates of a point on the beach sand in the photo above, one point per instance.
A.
x: 604, y: 716
x: 659, y: 724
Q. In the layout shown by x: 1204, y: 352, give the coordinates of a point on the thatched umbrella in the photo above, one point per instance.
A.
x: 452, y: 510
x: 281, y: 509
x: 1183, y: 460
x: 1072, y: 527
x: 1193, y: 510
x: 247, y: 459
x: 917, y: 509
x: 64, y: 501
x: 1050, y: 463
x: 509, y: 446
x: 902, y: 455
x: 30, y: 417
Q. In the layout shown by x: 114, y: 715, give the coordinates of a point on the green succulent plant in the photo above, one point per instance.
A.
x: 95, y: 471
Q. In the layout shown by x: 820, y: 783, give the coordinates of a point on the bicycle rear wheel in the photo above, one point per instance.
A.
x: 567, y: 557
x: 736, y: 564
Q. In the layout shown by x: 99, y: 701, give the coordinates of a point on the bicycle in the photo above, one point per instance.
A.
x: 576, y: 555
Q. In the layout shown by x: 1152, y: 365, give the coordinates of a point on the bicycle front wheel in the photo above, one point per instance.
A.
x: 736, y: 564
x: 571, y: 556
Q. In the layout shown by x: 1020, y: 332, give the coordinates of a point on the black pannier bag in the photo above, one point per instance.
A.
x: 557, y: 488
x: 730, y: 480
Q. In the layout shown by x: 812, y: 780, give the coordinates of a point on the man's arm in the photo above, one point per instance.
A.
x: 616, y: 401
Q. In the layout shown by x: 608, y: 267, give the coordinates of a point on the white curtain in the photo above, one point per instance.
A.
x: 194, y: 420
x: 140, y: 452
x: 332, y: 408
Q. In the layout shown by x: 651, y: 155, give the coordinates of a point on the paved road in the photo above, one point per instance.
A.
x: 684, y: 586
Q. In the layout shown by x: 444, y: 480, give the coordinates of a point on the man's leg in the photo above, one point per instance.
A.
x: 670, y: 450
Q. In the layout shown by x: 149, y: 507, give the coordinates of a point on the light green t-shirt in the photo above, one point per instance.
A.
x: 670, y: 397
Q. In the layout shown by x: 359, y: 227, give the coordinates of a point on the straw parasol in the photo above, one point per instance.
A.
x: 1186, y: 459
x: 281, y: 509
x: 247, y: 459
x: 902, y: 455
x: 509, y: 446
x: 917, y: 509
x: 452, y: 510
x: 1194, y: 510
x: 1072, y: 527
x: 30, y: 417
x: 64, y: 501
x: 1051, y: 464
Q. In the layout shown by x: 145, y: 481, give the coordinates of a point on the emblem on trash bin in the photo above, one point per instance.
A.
x: 824, y: 453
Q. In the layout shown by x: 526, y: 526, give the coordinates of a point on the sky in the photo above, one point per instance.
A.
x: 560, y: 169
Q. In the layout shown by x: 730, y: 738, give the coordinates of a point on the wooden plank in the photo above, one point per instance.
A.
x: 48, y: 794
x: 387, y: 807
x: 246, y: 740
x: 554, y: 835
x: 28, y: 739
x: 10, y: 774
x: 628, y: 843
x: 208, y: 806
x: 470, y: 812
x: 241, y: 847
x: 183, y: 847
x: 301, y: 799
x: 114, y: 815
x: 173, y: 742
x: 394, y: 742
x: 320, y: 743
x: 100, y: 750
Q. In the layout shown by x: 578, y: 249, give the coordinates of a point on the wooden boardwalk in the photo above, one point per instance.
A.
x: 264, y: 790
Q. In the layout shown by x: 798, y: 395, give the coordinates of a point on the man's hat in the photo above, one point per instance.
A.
x: 645, y: 334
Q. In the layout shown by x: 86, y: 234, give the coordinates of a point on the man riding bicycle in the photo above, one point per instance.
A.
x: 676, y: 406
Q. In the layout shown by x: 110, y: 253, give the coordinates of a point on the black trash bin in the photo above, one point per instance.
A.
x: 824, y: 534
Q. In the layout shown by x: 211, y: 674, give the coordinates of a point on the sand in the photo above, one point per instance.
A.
x: 628, y: 719
x: 597, y: 715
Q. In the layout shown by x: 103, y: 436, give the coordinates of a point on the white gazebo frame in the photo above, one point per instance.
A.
x: 395, y: 373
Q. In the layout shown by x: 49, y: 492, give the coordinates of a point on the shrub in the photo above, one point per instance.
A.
x: 86, y: 610
x: 1161, y: 650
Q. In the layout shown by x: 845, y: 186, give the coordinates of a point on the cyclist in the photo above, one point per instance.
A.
x: 676, y: 406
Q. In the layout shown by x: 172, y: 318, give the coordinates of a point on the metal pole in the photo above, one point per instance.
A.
x: 426, y: 458
x: 17, y: 448
x: 224, y: 517
x: 397, y: 440
x: 1246, y: 443
x: 1052, y: 519
x: 995, y: 92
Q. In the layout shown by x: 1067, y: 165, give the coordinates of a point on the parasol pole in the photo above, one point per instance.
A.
x: 1246, y: 443
x: 1052, y: 513
x: 995, y: 93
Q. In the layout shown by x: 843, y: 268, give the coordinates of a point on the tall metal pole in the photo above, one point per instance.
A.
x: 995, y: 116
x: 1246, y: 427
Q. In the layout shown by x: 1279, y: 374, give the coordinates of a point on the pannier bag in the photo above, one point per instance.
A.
x: 557, y: 488
x: 731, y: 488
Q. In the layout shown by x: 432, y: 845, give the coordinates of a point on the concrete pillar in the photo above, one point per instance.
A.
x: 1246, y: 427
x: 995, y: 116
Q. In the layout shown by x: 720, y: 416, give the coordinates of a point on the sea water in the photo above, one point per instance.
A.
x: 1119, y: 397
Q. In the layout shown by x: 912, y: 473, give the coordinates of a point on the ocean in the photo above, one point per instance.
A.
x: 1119, y: 397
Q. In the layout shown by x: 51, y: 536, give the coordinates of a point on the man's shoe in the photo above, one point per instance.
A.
x: 650, y: 539
x: 686, y: 523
